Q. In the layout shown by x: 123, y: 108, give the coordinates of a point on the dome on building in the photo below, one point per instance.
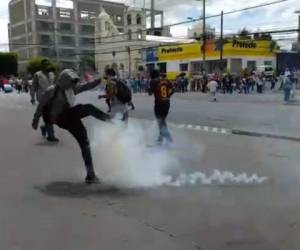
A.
x: 103, y: 15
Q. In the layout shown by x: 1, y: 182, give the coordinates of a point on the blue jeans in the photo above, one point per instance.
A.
x: 287, y: 94
x: 161, y: 111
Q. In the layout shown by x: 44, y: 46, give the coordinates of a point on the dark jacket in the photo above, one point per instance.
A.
x: 54, y: 102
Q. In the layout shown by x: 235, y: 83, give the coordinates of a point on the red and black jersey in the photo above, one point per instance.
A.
x: 162, y: 89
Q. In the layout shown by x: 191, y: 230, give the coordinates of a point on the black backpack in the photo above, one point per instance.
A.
x: 123, y: 92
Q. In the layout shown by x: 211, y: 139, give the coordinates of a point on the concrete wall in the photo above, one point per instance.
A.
x: 28, y: 26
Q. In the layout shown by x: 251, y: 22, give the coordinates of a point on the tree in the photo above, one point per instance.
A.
x: 266, y: 36
x: 88, y: 62
x: 8, y: 63
x: 34, y: 65
x: 244, y: 34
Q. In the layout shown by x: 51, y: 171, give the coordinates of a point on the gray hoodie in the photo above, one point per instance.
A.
x: 58, y: 98
x: 40, y: 83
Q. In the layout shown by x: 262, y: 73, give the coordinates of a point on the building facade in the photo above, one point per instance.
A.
x: 238, y: 55
x: 196, y: 31
x: 62, y: 30
x: 124, y: 50
x: 296, y: 45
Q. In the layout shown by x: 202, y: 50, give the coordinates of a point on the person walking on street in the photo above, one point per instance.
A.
x: 118, y: 94
x: 162, y: 90
x: 212, y: 87
x: 42, y: 80
x: 57, y: 106
x: 287, y: 88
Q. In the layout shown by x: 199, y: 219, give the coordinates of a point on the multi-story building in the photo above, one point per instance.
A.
x: 62, y: 30
x: 296, y: 45
x: 196, y: 31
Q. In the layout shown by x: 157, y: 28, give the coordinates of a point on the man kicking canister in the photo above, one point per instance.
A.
x: 57, y: 106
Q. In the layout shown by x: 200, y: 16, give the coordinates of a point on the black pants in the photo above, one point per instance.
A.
x: 161, y: 110
x: 71, y: 120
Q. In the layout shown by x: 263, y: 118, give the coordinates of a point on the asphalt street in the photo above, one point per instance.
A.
x: 45, y: 205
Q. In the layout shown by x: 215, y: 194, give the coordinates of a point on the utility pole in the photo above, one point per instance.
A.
x: 221, y: 40
x: 129, y: 60
x: 152, y: 16
x: 204, y: 32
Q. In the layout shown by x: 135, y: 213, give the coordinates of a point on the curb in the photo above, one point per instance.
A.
x: 226, y: 131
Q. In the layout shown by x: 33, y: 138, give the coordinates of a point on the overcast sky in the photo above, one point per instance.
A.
x: 278, y: 16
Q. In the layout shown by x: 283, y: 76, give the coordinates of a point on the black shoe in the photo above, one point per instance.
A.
x: 43, y: 131
x: 92, y: 179
x: 52, y: 139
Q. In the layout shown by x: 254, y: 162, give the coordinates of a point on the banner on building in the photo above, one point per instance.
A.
x: 231, y: 48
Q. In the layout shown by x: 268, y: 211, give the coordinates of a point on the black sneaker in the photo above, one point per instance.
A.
x: 52, y: 139
x: 92, y: 179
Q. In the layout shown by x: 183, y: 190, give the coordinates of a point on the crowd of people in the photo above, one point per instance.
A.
x: 56, y: 105
x: 227, y: 83
x: 55, y: 98
x: 14, y: 82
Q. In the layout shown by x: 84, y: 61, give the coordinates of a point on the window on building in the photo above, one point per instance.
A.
x: 121, y: 30
x: 129, y: 34
x: 251, y: 65
x: 88, y: 29
x: 29, y: 27
x: 43, y: 2
x: 46, y: 39
x: 65, y: 27
x: 65, y: 13
x: 183, y: 67
x: 268, y: 63
x: 87, y: 41
x: 162, y: 67
x: 66, y: 4
x: 87, y: 15
x: 48, y: 52
x: 67, y: 40
x: 42, y: 11
x: 138, y: 19
x: 46, y: 26
x: 119, y: 19
x: 129, y: 19
x: 107, y: 26
x: 140, y: 35
x: 84, y: 15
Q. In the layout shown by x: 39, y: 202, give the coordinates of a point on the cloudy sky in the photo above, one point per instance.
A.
x: 277, y: 16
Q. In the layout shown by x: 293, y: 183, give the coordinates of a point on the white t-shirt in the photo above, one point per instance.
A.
x: 212, y: 86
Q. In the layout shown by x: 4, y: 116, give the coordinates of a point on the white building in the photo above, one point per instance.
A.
x: 196, y: 31
x: 124, y: 51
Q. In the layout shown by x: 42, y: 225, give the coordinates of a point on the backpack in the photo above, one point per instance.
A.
x: 123, y: 92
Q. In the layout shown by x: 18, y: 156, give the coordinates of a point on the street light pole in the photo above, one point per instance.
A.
x: 298, y: 12
x: 221, y: 40
x: 204, y: 33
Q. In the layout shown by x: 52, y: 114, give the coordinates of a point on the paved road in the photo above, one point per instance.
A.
x: 44, y: 205
x: 255, y: 113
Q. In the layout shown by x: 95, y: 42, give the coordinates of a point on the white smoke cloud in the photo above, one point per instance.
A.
x: 123, y: 159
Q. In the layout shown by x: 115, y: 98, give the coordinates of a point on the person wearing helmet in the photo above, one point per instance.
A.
x: 57, y: 106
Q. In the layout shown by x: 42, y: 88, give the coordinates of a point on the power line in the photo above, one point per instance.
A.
x: 200, y: 18
x: 174, y: 44
x: 145, y: 30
